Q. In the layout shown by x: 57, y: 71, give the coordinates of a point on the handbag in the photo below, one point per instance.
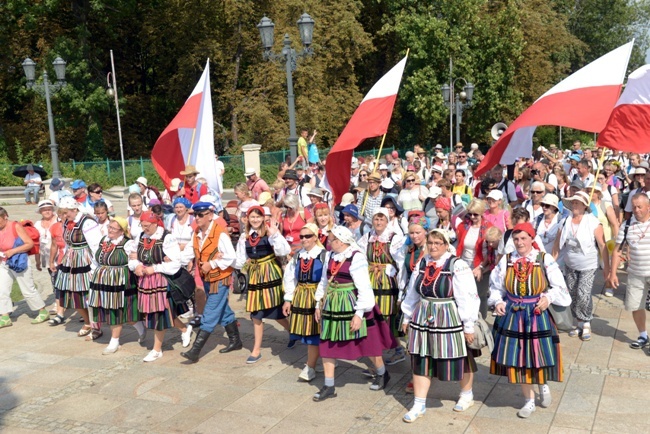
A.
x: 482, y: 336
x: 181, y: 286
x: 18, y: 262
x: 562, y: 317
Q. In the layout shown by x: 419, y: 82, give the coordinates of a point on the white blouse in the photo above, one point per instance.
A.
x: 289, y: 280
x: 464, y: 287
x: 280, y: 247
x: 557, y: 292
x: 394, y: 248
x: 360, y: 277
x: 170, y: 249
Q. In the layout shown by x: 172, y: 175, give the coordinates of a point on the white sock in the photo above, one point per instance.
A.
x: 530, y: 403
x: 543, y: 388
x: 644, y: 334
x: 419, y: 404
x: 139, y: 326
x: 114, y: 343
x: 469, y: 393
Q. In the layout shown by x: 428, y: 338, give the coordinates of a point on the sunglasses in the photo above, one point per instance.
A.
x: 536, y: 192
x: 307, y: 237
x: 202, y: 214
x: 471, y: 214
x: 410, y: 180
x: 545, y: 205
x: 97, y: 192
x: 363, y: 175
x: 463, y: 156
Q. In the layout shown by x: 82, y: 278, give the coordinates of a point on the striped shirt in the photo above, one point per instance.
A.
x: 638, y: 240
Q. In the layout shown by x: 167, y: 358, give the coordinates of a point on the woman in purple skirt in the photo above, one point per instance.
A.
x: 351, y: 323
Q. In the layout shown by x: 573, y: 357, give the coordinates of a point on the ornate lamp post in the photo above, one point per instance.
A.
x: 289, y: 55
x: 29, y: 66
x: 456, y: 102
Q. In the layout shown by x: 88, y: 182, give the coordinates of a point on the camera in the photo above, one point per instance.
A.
x: 534, y: 172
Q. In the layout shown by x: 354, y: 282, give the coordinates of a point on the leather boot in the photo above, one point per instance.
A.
x: 193, y: 354
x: 234, y: 342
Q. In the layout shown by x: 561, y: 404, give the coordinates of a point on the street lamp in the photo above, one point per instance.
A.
x: 111, y: 92
x: 29, y: 66
x: 289, y: 55
x: 456, y: 102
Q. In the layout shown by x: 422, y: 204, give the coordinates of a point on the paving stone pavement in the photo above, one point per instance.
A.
x: 54, y: 382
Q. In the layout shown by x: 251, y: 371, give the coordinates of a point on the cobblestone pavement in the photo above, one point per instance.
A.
x: 52, y: 381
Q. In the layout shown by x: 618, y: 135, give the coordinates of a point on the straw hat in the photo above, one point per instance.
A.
x: 189, y: 170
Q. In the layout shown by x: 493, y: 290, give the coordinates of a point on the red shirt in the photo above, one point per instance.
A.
x: 194, y: 193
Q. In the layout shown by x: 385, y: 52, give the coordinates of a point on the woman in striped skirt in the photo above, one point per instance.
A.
x: 351, y: 324
x: 152, y: 257
x: 113, y: 295
x: 301, y: 278
x: 82, y: 237
x: 383, y: 247
x: 526, y: 342
x: 257, y: 252
x: 440, y: 308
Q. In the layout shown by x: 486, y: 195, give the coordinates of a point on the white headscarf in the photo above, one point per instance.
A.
x: 345, y: 236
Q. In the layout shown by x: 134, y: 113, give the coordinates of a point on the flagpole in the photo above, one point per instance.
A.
x: 189, y: 154
x: 600, y: 164
x: 374, y: 170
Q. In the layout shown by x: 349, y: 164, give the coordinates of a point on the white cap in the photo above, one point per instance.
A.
x: 474, y: 146
x: 142, y: 180
x: 175, y: 184
x: 434, y: 192
x: 383, y: 211
x: 249, y: 172
x: 438, y: 146
x: 383, y: 167
x: 347, y: 199
x: 495, y: 194
x: 267, y: 211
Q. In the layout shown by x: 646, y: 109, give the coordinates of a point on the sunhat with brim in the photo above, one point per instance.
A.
x: 315, y: 192
x: 189, y: 170
x: 142, y: 180
x: 638, y: 171
x: 440, y: 156
x: 551, y: 199
x: 351, y: 210
x: 581, y: 197
x: 398, y: 209
x: 596, y: 186
x: 46, y: 203
x: 249, y: 172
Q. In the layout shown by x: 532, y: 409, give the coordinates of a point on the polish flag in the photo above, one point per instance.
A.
x: 628, y: 128
x: 370, y: 119
x: 584, y: 100
x: 189, y: 138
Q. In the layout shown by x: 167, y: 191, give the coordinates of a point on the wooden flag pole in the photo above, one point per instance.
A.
x: 374, y: 170
x: 600, y: 164
x: 189, y: 154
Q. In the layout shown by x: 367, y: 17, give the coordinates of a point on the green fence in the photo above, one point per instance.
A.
x: 108, y: 173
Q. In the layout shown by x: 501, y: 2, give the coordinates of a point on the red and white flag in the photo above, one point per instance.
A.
x: 189, y: 138
x: 628, y: 128
x: 584, y: 100
x: 370, y: 119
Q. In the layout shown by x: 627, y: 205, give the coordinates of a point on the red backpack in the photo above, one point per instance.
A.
x: 33, y: 234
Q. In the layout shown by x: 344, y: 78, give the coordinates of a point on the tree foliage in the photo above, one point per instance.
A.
x: 512, y: 50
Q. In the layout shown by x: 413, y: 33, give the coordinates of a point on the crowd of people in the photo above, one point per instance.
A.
x: 405, y: 265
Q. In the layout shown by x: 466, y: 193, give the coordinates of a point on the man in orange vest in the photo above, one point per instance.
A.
x: 214, y: 254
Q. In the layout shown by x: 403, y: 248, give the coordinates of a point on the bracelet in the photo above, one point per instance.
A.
x: 481, y: 266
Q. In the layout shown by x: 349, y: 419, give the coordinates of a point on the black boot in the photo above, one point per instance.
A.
x: 193, y: 354
x: 234, y: 341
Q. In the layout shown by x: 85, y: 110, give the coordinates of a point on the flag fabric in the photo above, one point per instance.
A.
x: 189, y: 138
x: 584, y: 101
x: 628, y: 128
x: 370, y: 119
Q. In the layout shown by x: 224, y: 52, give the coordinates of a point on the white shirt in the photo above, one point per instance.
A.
x: 638, y: 240
x: 34, y: 180
x: 579, y: 243
x: 289, y: 280
x: 280, y: 248
x: 556, y: 293
x: 463, y: 284
x: 170, y: 249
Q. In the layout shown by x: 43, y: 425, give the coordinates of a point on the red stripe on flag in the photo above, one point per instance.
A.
x: 627, y: 129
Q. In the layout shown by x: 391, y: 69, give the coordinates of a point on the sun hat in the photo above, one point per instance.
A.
x: 264, y: 197
x: 580, y: 196
x: 45, y: 203
x: 315, y: 192
x: 249, y: 172
x: 347, y: 199
x: 189, y: 170
x: 142, y: 180
x: 56, y: 184
x: 175, y: 185
x: 551, y: 199
x: 351, y: 210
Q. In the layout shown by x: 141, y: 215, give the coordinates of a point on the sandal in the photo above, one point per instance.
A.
x: 586, y: 334
x: 84, y: 331
x: 5, y: 321
x: 96, y: 334
x: 57, y: 320
x: 575, y: 333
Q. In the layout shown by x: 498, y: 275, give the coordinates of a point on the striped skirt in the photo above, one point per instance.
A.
x: 337, y: 313
x: 152, y: 293
x: 385, y: 288
x: 526, y: 345
x: 125, y: 314
x: 436, y: 330
x: 445, y: 369
x: 264, y: 284
x: 73, y: 278
x: 302, y: 311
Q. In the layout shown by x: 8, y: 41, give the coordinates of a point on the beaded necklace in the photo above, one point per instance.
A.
x: 148, y: 243
x: 107, y: 246
x: 413, y: 261
x: 431, y: 273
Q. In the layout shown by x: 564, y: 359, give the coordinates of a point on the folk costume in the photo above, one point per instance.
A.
x: 441, y: 304
x: 526, y: 341
x: 214, y: 247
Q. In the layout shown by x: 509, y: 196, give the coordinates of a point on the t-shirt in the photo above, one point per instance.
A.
x: 628, y: 205
x: 499, y: 219
x: 302, y: 147
x: 34, y: 180
x: 638, y: 240
x: 257, y: 187
x: 579, y: 243
x: 469, y: 245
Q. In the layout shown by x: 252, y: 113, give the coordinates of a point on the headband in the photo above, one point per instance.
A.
x: 528, y: 228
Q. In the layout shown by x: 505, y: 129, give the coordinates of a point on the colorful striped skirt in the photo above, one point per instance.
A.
x: 436, y: 330
x: 303, y: 307
x: 73, y: 278
x: 526, y: 345
x: 445, y: 369
x: 126, y: 314
x: 264, y: 284
x: 155, y: 305
x: 385, y: 288
x: 337, y: 313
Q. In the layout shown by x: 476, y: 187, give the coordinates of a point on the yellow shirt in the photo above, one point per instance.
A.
x: 462, y: 189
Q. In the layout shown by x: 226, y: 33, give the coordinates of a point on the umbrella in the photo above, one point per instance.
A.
x: 22, y: 171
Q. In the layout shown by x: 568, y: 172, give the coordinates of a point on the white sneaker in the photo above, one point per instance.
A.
x: 545, y: 396
x: 526, y: 410
x: 152, y: 356
x: 464, y: 402
x: 110, y: 350
x: 187, y: 315
x: 609, y: 292
x: 307, y: 374
x: 186, y: 337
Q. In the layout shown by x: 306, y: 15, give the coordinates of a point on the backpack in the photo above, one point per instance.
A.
x: 33, y: 234
x: 465, y: 197
x: 628, y: 222
x: 156, y: 192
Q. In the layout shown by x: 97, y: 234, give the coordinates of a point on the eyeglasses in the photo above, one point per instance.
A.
x: 536, y: 192
x: 410, y: 180
x: 111, y: 228
x: 437, y: 243
x: 472, y: 214
x: 307, y: 237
